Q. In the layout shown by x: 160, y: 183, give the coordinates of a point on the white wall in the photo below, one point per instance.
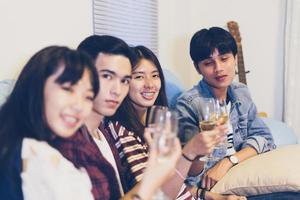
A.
x: 27, y: 26
x: 262, y: 28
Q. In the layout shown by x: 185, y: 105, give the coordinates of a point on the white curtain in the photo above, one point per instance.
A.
x: 292, y: 66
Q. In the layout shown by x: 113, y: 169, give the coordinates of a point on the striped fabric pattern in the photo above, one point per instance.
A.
x: 135, y: 152
x: 131, y: 148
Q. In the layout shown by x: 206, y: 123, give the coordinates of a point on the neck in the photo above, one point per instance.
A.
x: 220, y: 93
x: 142, y: 113
x: 93, y: 121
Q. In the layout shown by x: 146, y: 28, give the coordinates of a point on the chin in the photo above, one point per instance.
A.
x: 109, y: 112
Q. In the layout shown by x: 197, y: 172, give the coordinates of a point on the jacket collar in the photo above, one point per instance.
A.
x: 206, y: 91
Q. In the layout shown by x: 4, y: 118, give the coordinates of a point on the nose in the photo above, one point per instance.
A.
x: 78, y: 103
x: 116, y: 88
x: 148, y: 82
x: 218, y: 66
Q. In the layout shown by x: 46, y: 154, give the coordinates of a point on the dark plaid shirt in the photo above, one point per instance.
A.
x: 82, y: 151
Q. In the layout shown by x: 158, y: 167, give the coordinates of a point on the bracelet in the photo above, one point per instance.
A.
x: 191, y: 160
x: 179, y: 174
x: 136, y: 197
x: 200, y: 196
x: 187, y: 158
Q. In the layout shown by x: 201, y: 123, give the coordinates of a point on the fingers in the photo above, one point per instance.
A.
x: 207, y: 182
x: 176, y: 151
x: 148, y: 136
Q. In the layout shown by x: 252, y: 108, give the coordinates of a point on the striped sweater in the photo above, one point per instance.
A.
x: 135, y: 152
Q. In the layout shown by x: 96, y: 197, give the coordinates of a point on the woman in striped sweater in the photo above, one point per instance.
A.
x: 147, y: 88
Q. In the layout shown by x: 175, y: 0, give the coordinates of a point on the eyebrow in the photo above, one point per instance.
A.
x: 139, y: 72
x: 109, y: 71
x: 114, y: 73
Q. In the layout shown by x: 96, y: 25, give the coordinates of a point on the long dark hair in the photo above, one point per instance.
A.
x: 127, y: 114
x: 22, y: 115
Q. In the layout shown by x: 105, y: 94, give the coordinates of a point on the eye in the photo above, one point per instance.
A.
x: 207, y: 63
x: 224, y: 58
x: 156, y: 76
x: 138, y: 77
x: 67, y: 87
x: 90, y: 97
x: 126, y: 81
x: 106, y: 76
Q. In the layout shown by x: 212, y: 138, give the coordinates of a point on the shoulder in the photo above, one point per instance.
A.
x: 240, y: 91
x: 189, y: 95
x: 42, y: 160
x: 117, y: 129
x: 76, y: 147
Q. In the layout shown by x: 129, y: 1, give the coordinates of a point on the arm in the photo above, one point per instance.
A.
x: 201, y: 144
x: 188, y: 119
x: 258, y: 139
x: 259, y: 136
x: 214, y: 174
x: 156, y: 174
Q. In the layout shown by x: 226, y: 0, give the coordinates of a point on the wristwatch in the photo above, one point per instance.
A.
x: 233, y: 159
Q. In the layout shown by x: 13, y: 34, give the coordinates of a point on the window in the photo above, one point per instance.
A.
x: 135, y: 21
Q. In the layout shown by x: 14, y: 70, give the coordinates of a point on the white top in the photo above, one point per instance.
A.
x: 107, y: 153
x: 48, y: 175
x: 230, y: 147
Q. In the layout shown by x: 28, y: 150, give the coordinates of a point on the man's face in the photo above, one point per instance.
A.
x: 218, y: 70
x: 114, y: 75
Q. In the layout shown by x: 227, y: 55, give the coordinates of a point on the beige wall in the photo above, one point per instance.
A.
x: 262, y: 29
x: 27, y: 26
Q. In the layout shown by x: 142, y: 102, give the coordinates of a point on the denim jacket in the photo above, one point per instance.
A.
x: 248, y: 129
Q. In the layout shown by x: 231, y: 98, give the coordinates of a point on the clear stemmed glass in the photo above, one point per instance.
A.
x: 167, y: 127
x: 208, y: 120
x: 163, y: 125
x: 152, y: 118
x: 222, y: 118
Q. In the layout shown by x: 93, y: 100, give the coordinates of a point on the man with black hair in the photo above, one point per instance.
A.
x: 214, y: 54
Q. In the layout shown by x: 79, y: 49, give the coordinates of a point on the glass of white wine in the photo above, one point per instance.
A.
x: 208, y: 120
x: 222, y: 119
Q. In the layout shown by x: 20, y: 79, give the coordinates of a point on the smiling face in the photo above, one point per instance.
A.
x: 114, y: 75
x: 67, y: 105
x: 145, y: 85
x: 218, y: 70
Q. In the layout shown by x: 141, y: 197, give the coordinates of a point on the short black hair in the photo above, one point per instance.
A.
x: 205, y: 41
x: 95, y: 44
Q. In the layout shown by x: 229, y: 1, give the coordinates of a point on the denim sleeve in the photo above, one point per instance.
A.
x: 259, y: 136
x: 188, y: 119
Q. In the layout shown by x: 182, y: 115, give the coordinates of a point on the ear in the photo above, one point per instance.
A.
x: 196, y: 65
x: 236, y: 59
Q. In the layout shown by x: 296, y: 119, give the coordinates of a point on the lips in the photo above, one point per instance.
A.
x: 221, y: 78
x: 148, y: 95
x: 112, y: 103
x: 70, y: 121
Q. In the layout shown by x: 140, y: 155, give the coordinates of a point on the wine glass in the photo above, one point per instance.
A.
x: 152, y: 118
x: 208, y: 120
x: 166, y: 132
x: 220, y: 149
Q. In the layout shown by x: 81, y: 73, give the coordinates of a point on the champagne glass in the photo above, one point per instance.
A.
x: 208, y: 120
x: 152, y: 118
x: 167, y: 127
x: 220, y: 149
x: 222, y: 112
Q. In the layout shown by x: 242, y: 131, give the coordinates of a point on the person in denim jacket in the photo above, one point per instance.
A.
x: 214, y: 53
